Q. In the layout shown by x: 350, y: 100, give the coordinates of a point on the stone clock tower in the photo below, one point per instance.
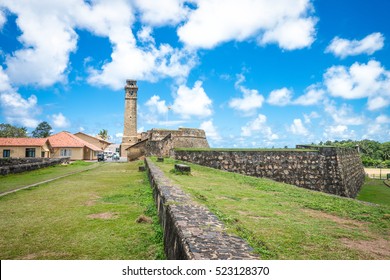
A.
x: 130, y: 123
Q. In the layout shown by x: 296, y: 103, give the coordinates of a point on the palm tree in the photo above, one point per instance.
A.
x: 103, y: 134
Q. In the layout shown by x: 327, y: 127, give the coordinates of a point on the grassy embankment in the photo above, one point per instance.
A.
x: 281, y: 221
x: 375, y: 191
x: 15, y: 181
x: 90, y: 215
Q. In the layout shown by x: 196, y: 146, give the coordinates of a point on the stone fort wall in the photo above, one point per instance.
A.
x: 332, y: 170
x: 161, y: 142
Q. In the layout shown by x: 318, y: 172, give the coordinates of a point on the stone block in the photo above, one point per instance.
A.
x: 182, y: 168
x: 141, y: 168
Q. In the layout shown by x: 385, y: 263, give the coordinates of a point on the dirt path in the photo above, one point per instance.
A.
x: 47, y: 181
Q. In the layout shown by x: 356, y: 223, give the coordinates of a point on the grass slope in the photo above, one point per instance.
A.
x: 90, y: 215
x: 14, y: 181
x: 281, y: 221
x: 375, y: 191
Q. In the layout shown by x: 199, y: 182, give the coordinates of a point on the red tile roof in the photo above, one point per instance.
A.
x: 27, y: 142
x: 65, y: 139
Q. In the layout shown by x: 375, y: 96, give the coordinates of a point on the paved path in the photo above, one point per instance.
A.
x: 47, y: 181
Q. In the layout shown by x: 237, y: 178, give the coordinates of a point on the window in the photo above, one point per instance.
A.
x: 6, y: 153
x: 66, y: 152
x: 30, y: 152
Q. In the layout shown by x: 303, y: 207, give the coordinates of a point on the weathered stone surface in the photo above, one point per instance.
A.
x: 141, y: 168
x: 17, y: 165
x: 191, y: 232
x: 332, y: 170
x: 182, y: 167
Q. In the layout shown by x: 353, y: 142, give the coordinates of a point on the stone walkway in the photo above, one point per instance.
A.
x: 46, y: 181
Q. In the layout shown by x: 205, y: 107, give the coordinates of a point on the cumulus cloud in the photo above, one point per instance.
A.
x: 17, y: 109
x: 259, y: 125
x: 157, y: 13
x: 192, y: 102
x: 382, y: 119
x: 309, y: 117
x: 369, y: 80
x: 335, y: 132
x: 280, y: 97
x: 49, y: 36
x: 284, y: 22
x: 210, y: 130
x: 250, y: 101
x: 156, y: 105
x: 59, y: 120
x: 298, y: 128
x: 3, y: 19
x: 314, y: 94
x: 342, y: 47
x: 342, y: 115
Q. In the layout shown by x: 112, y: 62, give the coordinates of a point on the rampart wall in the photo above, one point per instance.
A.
x: 191, y: 232
x: 17, y: 165
x: 332, y: 170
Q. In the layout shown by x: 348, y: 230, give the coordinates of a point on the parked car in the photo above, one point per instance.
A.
x: 100, y: 157
x: 115, y: 156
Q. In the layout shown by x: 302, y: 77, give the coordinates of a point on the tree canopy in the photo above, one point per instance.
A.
x: 373, y: 153
x: 103, y: 134
x: 42, y: 130
x: 10, y: 131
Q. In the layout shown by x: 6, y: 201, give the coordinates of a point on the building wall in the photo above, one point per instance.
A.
x: 330, y: 170
x: 77, y: 153
x: 20, y: 152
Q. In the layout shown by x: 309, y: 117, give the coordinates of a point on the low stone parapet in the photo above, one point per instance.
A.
x: 22, y: 165
x: 191, y: 231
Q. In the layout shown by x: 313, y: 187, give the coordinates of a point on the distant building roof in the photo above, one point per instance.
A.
x: 15, y: 142
x: 96, y: 137
x: 66, y: 139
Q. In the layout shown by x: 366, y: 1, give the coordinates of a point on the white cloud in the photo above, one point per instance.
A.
x: 368, y: 45
x: 81, y: 129
x: 192, y: 102
x: 285, y: 22
x: 298, y: 128
x: 292, y: 34
x: 251, y: 100
x: 259, y: 125
x: 159, y: 13
x: 342, y: 115
x: 314, y: 94
x: 3, y: 19
x: 44, y: 60
x: 210, y: 130
x: 339, y: 132
x: 309, y: 117
x: 156, y: 105
x: 15, y: 108
x: 59, y: 120
x: 119, y: 135
x: 369, y: 80
x: 280, y: 97
x: 145, y: 35
x: 382, y: 119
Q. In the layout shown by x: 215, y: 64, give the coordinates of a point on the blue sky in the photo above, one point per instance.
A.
x: 251, y: 73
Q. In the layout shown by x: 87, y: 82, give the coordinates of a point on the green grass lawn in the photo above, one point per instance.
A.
x: 14, y: 181
x: 90, y: 215
x: 375, y: 191
x: 281, y: 221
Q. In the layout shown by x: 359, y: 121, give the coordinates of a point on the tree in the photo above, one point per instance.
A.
x: 103, y: 134
x: 10, y: 131
x: 42, y: 130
